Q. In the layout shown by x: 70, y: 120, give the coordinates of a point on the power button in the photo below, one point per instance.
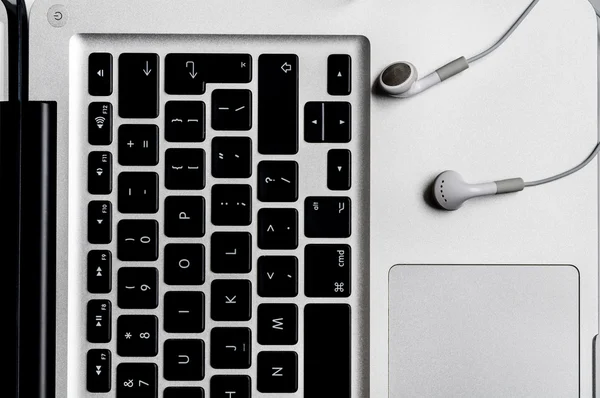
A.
x: 57, y: 15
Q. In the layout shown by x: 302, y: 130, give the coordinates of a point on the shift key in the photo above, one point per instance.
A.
x: 278, y: 104
x: 138, y: 86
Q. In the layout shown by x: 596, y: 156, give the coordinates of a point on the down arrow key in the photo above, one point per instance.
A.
x: 339, y: 163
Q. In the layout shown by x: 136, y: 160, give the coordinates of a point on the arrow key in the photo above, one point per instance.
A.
x: 314, y: 126
x: 339, y: 170
x: 338, y: 122
x: 339, y: 74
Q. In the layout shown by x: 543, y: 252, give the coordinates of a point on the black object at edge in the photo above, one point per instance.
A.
x: 28, y: 244
x: 37, y: 251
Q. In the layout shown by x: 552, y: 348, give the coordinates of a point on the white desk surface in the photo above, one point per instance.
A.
x: 528, y: 110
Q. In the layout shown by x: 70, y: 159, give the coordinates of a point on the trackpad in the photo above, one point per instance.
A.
x: 483, y: 331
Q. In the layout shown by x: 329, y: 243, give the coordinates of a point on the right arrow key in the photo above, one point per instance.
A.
x: 339, y: 170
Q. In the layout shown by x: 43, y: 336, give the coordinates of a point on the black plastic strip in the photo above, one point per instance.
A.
x: 18, y: 49
x: 37, y: 263
x: 9, y: 244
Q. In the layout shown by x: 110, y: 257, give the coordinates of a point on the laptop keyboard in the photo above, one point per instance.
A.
x: 224, y: 216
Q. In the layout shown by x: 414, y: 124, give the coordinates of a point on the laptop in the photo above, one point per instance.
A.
x: 215, y: 199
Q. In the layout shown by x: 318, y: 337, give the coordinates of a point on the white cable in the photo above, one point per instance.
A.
x: 493, y: 48
x: 506, y: 35
x: 566, y: 173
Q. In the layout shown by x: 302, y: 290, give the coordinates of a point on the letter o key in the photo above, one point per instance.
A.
x: 184, y: 263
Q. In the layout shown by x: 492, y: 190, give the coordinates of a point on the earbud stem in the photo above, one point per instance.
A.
x: 421, y: 85
x: 445, y: 72
x: 510, y: 186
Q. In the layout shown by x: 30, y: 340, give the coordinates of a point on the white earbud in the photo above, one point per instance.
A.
x: 450, y: 189
x: 401, y: 79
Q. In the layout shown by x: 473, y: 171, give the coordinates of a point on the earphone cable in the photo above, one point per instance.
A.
x: 568, y: 172
x: 506, y: 35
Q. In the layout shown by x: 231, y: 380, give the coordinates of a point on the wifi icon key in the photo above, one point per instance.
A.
x: 100, y: 123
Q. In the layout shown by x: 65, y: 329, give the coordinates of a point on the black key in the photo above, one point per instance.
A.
x: 339, y: 170
x: 327, y: 122
x: 231, y: 157
x: 184, y: 392
x: 327, y: 358
x: 278, y: 104
x: 99, y: 321
x: 137, y: 240
x: 100, y: 74
x: 232, y: 110
x: 327, y: 217
x: 278, y: 229
x: 231, y: 205
x: 137, y: 336
x: 138, y: 193
x: 277, y: 324
x: 184, y: 264
x: 98, y: 371
x: 231, y: 252
x: 231, y: 300
x: 138, y: 288
x: 230, y: 348
x: 138, y: 145
x: 185, y: 121
x: 278, y: 372
x: 100, y: 123
x: 138, y: 86
x: 339, y: 74
x: 277, y: 181
x: 338, y: 123
x: 184, y: 216
x: 184, y: 360
x: 230, y: 386
x: 100, y: 222
x: 185, y: 169
x: 137, y: 380
x: 99, y: 264
x: 184, y: 312
x: 100, y: 173
x: 278, y: 276
x: 314, y: 122
x: 189, y: 73
x: 327, y: 270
